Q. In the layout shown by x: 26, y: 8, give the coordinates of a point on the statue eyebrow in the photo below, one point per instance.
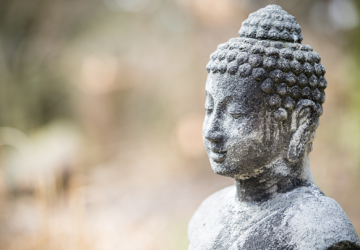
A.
x: 224, y: 101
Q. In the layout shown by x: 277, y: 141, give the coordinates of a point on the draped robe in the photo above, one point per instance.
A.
x: 303, y: 218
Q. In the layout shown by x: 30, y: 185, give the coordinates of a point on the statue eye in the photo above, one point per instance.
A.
x: 235, y: 110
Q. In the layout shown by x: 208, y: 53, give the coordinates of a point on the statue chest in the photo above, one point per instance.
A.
x: 225, y: 226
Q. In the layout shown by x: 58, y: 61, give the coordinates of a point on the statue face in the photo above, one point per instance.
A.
x: 237, y: 130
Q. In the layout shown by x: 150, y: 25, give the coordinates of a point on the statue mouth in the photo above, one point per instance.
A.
x: 217, y: 156
x: 217, y: 148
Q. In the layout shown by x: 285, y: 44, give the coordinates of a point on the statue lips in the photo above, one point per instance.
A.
x: 217, y: 154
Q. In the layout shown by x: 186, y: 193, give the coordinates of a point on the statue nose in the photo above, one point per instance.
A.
x: 214, y: 136
x: 212, y: 130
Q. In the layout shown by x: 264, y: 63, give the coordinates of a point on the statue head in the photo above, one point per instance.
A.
x: 264, y: 96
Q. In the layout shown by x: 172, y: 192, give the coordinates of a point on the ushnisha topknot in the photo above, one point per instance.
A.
x: 271, y: 23
x: 287, y: 71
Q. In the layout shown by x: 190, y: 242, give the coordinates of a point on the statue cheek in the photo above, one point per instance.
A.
x: 243, y: 143
x: 246, y: 129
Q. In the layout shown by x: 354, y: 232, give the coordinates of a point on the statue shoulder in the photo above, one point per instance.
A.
x: 210, y: 207
x: 320, y: 221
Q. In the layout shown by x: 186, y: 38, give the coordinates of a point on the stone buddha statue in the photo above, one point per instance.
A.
x: 264, y: 96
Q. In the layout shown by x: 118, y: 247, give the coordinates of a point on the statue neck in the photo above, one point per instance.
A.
x: 279, y: 177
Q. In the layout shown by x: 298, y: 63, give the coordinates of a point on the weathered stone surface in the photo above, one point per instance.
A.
x: 302, y: 219
x: 265, y: 92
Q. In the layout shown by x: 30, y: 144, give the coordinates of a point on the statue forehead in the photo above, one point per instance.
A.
x: 224, y: 85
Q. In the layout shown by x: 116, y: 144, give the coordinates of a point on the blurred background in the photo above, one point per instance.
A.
x: 101, y: 107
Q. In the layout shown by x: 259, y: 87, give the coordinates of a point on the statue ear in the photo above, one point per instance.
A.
x: 304, y: 121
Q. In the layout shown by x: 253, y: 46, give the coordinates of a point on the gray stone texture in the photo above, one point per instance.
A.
x: 264, y: 96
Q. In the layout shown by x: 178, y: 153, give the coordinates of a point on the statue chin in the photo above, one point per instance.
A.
x: 237, y: 172
x: 221, y: 169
